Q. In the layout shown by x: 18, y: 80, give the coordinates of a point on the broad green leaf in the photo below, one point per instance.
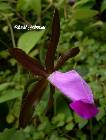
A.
x: 83, y: 13
x: 36, y: 6
x: 10, y: 94
x: 29, y: 39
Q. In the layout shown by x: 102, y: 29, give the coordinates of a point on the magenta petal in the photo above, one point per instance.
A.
x: 72, y: 85
x: 85, y: 110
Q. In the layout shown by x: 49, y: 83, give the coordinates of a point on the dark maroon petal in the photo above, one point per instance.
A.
x: 27, y: 62
x: 30, y: 101
x: 84, y: 110
x: 65, y: 56
x: 52, y: 45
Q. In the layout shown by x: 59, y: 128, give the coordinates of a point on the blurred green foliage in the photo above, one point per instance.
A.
x: 80, y: 26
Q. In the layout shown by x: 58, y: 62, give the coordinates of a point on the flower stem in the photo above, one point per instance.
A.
x: 12, y: 33
x: 91, y: 133
x: 50, y: 106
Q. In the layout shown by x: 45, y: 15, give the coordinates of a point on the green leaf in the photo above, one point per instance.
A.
x: 81, y: 122
x: 83, y: 13
x: 4, y: 7
x: 29, y: 39
x: 101, y: 114
x: 23, y: 5
x: 80, y: 3
x: 36, y: 6
x: 12, y: 134
x: 103, y: 7
x: 38, y: 135
x: 4, y: 86
x: 7, y: 134
x: 10, y: 94
x: 58, y: 117
x: 26, y: 5
x: 19, y: 135
x: 69, y: 126
x: 64, y: 108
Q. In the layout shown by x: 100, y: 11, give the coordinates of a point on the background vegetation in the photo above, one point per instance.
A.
x: 82, y: 25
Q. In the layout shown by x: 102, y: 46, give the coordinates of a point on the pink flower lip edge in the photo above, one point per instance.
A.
x: 73, y: 86
x: 85, y: 110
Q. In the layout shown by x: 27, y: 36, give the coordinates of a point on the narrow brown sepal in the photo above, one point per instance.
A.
x: 52, y: 44
x: 27, y: 62
x: 65, y: 56
x: 30, y: 101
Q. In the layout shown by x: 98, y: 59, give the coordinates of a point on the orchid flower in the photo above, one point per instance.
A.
x: 76, y: 89
x: 70, y: 83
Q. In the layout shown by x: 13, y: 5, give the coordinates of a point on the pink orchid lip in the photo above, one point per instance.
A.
x: 84, y: 110
x: 73, y: 86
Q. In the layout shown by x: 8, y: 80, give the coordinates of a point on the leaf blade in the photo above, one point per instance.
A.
x: 7, y: 96
x: 29, y: 39
x: 84, y: 13
x: 36, y: 6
